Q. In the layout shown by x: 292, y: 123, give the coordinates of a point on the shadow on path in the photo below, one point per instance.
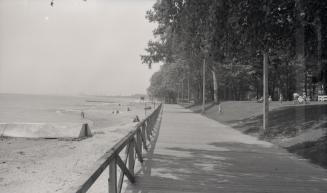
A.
x: 195, y: 154
x: 240, y: 168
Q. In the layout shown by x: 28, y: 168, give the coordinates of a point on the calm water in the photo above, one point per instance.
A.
x: 37, y: 108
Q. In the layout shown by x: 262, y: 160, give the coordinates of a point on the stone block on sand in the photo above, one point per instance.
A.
x: 45, y: 130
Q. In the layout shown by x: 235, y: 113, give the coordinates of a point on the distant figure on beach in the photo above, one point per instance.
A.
x: 136, y: 119
x: 82, y: 115
x: 280, y: 98
x: 115, y: 112
x: 128, y: 109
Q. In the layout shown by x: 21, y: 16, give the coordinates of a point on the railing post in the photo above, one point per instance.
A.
x: 143, y: 136
x: 148, y: 125
x: 139, y: 140
x: 153, y: 120
x: 112, y: 176
x: 131, y: 158
x: 133, y: 143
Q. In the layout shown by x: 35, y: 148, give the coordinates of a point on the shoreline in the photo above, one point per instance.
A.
x: 52, y: 165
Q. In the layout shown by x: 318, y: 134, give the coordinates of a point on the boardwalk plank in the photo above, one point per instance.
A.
x: 196, y: 154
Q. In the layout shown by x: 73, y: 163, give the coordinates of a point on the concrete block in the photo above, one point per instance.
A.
x: 45, y: 130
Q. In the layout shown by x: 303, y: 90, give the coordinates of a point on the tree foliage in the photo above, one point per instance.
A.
x: 232, y: 35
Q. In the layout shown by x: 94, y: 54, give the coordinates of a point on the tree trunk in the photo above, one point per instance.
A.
x: 299, y: 48
x: 265, y: 92
x: 204, y: 85
x: 188, y: 89
x: 215, y: 86
x: 182, y: 93
x: 257, y: 89
x: 319, y: 54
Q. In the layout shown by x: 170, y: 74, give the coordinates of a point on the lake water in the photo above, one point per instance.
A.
x: 17, y: 108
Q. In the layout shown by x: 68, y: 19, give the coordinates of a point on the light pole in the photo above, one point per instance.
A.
x: 265, y: 93
x: 204, y: 85
x: 205, y: 50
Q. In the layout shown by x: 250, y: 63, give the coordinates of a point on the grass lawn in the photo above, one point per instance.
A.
x: 299, y: 128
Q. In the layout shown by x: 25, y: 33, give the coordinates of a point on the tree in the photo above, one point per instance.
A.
x: 233, y: 35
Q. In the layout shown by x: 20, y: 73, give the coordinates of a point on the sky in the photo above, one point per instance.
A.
x: 75, y: 47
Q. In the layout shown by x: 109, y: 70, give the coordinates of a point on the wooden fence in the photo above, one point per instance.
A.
x: 133, y: 143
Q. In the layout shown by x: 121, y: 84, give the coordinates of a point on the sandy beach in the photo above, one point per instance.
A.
x: 52, y: 165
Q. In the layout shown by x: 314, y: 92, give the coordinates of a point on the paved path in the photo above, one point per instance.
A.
x: 197, y: 154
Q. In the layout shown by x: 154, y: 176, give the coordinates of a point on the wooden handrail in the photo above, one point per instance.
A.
x: 133, y: 142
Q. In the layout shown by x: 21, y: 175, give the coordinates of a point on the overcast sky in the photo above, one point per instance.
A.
x: 75, y: 47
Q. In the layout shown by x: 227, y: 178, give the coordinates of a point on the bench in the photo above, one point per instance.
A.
x: 322, y: 98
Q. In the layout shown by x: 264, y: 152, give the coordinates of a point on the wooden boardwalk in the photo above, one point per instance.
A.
x: 196, y: 154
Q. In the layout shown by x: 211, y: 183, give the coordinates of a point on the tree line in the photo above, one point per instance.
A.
x: 231, y: 37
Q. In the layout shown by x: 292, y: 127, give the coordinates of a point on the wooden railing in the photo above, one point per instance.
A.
x: 133, y: 143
